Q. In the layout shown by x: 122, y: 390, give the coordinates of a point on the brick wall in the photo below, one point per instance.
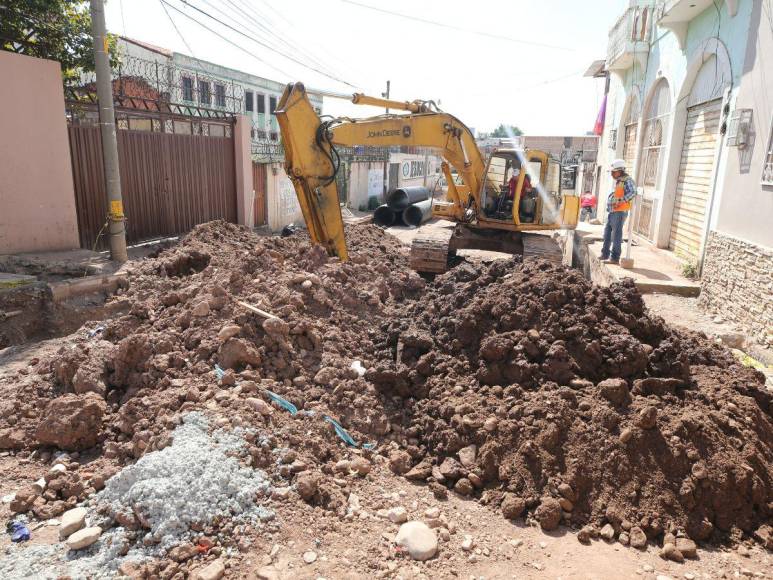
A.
x: 737, y: 283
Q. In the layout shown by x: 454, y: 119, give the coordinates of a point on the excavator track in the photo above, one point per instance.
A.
x: 430, y: 251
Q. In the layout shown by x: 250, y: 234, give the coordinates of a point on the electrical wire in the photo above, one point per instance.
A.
x: 454, y: 27
x: 263, y: 44
x: 177, y: 30
x: 228, y: 40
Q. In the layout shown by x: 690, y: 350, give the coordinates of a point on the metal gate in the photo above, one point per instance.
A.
x: 176, y: 172
x: 259, y: 182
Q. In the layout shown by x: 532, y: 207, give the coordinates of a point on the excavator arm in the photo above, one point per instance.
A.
x: 311, y: 160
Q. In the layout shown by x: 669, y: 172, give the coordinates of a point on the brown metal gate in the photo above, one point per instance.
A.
x: 259, y: 183
x: 170, y: 180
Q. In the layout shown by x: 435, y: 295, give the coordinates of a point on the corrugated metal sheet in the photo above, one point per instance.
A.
x: 259, y: 184
x: 170, y: 182
x: 695, y: 174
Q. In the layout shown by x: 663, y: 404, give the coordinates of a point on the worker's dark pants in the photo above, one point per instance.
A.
x: 613, y: 235
x: 586, y: 213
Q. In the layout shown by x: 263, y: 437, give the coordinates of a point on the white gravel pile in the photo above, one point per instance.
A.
x: 193, y: 481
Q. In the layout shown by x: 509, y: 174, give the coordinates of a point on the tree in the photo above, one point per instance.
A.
x: 506, y: 131
x: 55, y: 29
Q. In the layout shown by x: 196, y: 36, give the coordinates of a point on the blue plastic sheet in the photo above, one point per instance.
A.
x: 284, y: 403
x: 340, y: 431
x: 19, y: 532
x: 219, y: 373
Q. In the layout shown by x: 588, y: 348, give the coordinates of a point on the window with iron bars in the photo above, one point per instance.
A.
x: 767, y: 163
x: 220, y: 95
x: 261, y: 103
x: 205, y: 93
x: 248, y: 104
x: 187, y: 84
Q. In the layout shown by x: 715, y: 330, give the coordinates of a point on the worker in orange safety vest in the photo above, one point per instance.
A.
x: 618, y: 204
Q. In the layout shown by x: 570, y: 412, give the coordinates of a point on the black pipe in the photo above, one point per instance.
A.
x: 417, y: 213
x: 384, y: 216
x: 402, y: 197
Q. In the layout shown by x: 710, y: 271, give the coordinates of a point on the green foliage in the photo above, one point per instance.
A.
x: 503, y: 131
x: 690, y: 270
x: 54, y: 29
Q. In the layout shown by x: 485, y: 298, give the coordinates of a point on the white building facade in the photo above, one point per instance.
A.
x: 679, y: 79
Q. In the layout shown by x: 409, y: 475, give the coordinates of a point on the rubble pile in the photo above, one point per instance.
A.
x: 544, y: 394
x: 522, y: 385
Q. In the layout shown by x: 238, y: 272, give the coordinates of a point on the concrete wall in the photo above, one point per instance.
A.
x: 366, y: 179
x: 745, y: 207
x: 37, y: 200
x: 282, y: 202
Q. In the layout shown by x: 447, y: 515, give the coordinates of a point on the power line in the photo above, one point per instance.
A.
x: 177, y: 30
x: 453, y: 27
x: 228, y: 40
x: 263, y: 44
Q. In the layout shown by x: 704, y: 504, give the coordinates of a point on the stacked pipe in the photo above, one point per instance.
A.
x: 409, y: 206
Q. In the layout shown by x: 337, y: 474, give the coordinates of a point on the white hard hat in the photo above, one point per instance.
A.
x: 617, y: 165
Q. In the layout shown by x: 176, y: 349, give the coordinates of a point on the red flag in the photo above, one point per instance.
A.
x: 598, y: 128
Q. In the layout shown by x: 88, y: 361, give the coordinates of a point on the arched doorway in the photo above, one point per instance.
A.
x: 651, y: 158
x: 698, y: 159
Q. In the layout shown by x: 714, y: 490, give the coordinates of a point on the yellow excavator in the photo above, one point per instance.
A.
x: 497, y: 203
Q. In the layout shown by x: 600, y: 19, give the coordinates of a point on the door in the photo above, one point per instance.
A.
x: 696, y: 172
x: 259, y: 180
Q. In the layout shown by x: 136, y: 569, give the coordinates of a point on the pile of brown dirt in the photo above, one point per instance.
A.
x: 530, y: 383
x: 523, y: 385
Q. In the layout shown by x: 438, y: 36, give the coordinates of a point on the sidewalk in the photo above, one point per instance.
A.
x: 654, y: 270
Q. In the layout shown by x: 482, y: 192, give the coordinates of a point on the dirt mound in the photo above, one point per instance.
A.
x: 532, y: 383
x: 521, y: 384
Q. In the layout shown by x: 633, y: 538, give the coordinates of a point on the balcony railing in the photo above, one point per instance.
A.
x: 630, y: 35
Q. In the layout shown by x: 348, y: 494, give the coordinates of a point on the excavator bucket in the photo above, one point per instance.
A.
x: 311, y: 164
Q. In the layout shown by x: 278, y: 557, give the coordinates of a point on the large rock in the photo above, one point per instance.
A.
x: 638, y: 539
x: 72, y: 422
x: 614, y: 390
x: 467, y: 456
x: 687, y: 547
x: 418, y: 539
x: 72, y: 521
x: 513, y: 506
x: 548, y: 514
x: 84, y: 538
x: 236, y: 353
x: 213, y: 571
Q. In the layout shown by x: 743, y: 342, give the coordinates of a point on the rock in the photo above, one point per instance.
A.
x: 732, y: 339
x: 491, y: 424
x: 83, y: 538
x: 669, y: 552
x: 614, y: 390
x: 451, y: 468
x: 608, y: 532
x: 276, y: 327
x: 764, y: 535
x: 624, y: 538
x: 463, y: 486
x: 585, y: 534
x: 268, y: 573
x: 72, y: 521
x: 397, y: 515
x: 361, y: 465
x: 228, y: 331
x: 638, y: 539
x: 420, y: 472
x: 201, y: 309
x: 548, y: 513
x: 566, y: 505
x: 213, y: 571
x: 648, y: 417
x: 467, y: 456
x: 418, y: 539
x: 432, y: 513
x: 260, y: 406
x: 399, y: 461
x: 512, y: 506
x: 687, y: 547
x: 24, y: 498
x: 307, y: 485
x: 566, y: 491
x: 309, y: 557
x: 72, y: 422
x: 578, y: 384
x: 236, y: 352
x: 468, y: 544
x: 626, y: 435
x: 182, y: 552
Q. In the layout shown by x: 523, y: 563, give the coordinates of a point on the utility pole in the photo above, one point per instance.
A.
x: 386, y: 161
x: 115, y: 217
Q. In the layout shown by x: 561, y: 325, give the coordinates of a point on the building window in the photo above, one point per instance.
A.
x: 220, y: 95
x: 187, y: 89
x: 655, y: 127
x: 767, y: 167
x: 205, y: 95
x: 248, y: 104
x: 261, y: 103
x: 272, y: 104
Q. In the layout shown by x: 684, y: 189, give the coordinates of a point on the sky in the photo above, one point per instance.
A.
x: 517, y: 62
